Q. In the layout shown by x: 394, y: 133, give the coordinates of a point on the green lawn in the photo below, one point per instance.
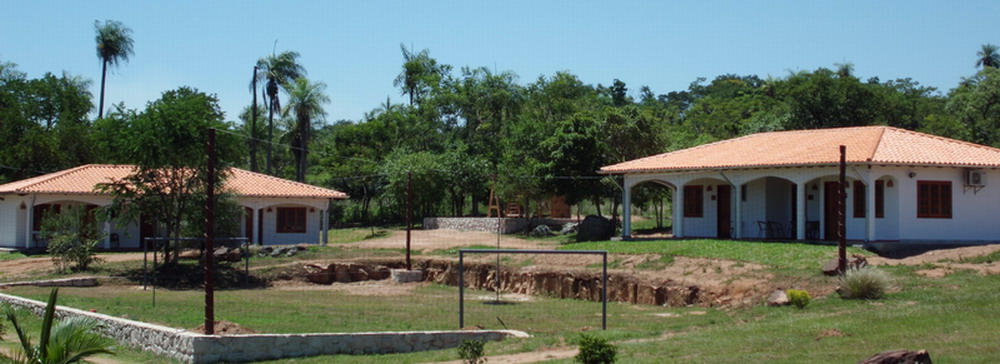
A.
x: 11, y: 256
x: 954, y: 318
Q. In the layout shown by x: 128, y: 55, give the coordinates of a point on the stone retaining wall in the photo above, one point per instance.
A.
x: 62, y: 282
x: 197, y: 348
x: 489, y: 224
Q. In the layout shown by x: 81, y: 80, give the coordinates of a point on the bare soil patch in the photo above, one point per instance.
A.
x: 438, y: 239
x: 946, y: 261
x: 226, y: 328
x: 26, y: 267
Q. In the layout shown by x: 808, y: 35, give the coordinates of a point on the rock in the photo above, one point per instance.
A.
x: 540, y: 230
x: 291, y: 252
x: 830, y: 268
x: 265, y: 251
x: 407, y: 276
x: 568, y: 228
x: 302, y: 247
x: 342, y: 273
x: 899, y: 357
x: 778, y: 298
x: 595, y: 228
x: 189, y: 254
x: 280, y: 251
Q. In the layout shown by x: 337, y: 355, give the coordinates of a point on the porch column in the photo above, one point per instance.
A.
x: 324, y: 226
x: 800, y: 211
x: 821, y: 199
x: 678, y: 210
x: 870, y: 207
x: 107, y: 235
x: 29, y: 234
x: 256, y: 230
x: 737, y: 197
x: 626, y: 211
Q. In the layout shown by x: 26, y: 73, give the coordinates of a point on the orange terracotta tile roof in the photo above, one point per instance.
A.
x: 82, y: 179
x: 866, y: 144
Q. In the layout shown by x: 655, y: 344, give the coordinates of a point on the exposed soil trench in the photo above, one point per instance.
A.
x: 623, y: 286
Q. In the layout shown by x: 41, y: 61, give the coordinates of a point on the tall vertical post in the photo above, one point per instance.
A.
x: 841, y: 214
x: 604, y: 293
x: 461, y: 289
x: 253, y: 123
x: 209, y: 236
x: 409, y: 216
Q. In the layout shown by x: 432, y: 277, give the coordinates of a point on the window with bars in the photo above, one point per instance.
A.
x: 694, y: 201
x: 934, y: 199
x: 860, y: 199
x: 291, y: 220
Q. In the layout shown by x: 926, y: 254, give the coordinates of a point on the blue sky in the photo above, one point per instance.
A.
x: 353, y: 46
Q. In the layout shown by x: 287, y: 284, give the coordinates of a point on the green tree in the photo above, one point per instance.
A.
x: 976, y: 104
x: 420, y: 74
x: 305, y: 102
x: 276, y: 70
x: 114, y: 44
x: 988, y: 57
x: 70, y: 341
x: 72, y: 235
x: 167, y: 144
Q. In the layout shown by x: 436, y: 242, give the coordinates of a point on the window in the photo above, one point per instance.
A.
x: 879, y: 199
x: 291, y: 220
x: 694, y: 201
x: 859, y: 199
x: 934, y: 199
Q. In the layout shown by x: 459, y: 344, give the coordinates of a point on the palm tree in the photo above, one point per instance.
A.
x: 988, y: 57
x: 305, y: 101
x: 277, y: 71
x: 69, y: 341
x: 114, y: 44
x: 253, y: 121
x: 420, y: 74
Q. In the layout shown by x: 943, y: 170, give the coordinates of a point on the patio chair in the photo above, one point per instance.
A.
x: 777, y: 231
x: 763, y: 229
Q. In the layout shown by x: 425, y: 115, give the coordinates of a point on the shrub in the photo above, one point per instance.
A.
x: 863, y: 283
x: 798, y: 297
x: 72, y: 236
x: 595, y: 350
x: 471, y: 351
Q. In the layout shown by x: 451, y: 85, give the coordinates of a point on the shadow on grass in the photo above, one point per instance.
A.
x: 191, y: 275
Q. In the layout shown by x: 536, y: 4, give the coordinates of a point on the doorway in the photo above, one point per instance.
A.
x: 831, y: 190
x: 723, y: 204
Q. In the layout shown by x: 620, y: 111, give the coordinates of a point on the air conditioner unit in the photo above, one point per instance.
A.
x: 975, y: 178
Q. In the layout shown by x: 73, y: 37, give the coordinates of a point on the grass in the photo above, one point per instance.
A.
x: 988, y: 258
x: 779, y: 255
x: 11, y: 256
x: 353, y: 235
x: 953, y: 317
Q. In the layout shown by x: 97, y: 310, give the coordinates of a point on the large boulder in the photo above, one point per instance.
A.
x: 540, y: 231
x: 595, y: 228
x: 569, y: 228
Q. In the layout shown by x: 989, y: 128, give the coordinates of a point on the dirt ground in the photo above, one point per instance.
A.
x: 946, y: 261
x: 438, y: 239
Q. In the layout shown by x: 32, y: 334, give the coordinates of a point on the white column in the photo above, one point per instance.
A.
x: 678, y: 211
x: 870, y: 207
x: 738, y: 198
x: 626, y: 210
x: 107, y: 235
x: 31, y: 220
x: 256, y: 227
x: 821, y: 199
x: 800, y: 211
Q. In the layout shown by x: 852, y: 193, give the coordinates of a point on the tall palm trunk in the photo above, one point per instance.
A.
x: 253, y: 123
x: 104, y: 76
x: 270, y: 138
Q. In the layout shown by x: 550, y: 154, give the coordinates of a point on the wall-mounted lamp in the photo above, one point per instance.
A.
x: 815, y: 187
x: 709, y: 188
x: 312, y: 209
x: 23, y: 206
x: 268, y: 209
x: 912, y: 174
x: 888, y: 183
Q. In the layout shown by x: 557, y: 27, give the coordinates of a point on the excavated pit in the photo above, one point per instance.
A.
x: 623, y: 286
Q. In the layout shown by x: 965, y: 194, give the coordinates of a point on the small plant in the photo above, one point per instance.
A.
x: 595, y: 350
x: 863, y: 283
x: 798, y: 297
x: 72, y: 235
x: 471, y: 351
x: 69, y: 341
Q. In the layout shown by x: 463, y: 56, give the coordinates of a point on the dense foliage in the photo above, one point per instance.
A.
x: 463, y: 131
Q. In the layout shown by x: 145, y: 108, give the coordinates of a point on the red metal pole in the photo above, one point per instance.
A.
x: 409, y: 216
x: 209, y: 235
x: 841, y: 214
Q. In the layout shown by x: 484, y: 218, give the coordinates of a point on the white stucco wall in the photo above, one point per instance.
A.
x: 973, y: 217
x: 11, y: 221
x: 270, y: 235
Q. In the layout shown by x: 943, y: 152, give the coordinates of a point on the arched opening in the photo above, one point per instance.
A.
x: 706, y: 209
x: 41, y: 212
x: 651, y: 210
x: 886, y: 208
x: 769, y: 208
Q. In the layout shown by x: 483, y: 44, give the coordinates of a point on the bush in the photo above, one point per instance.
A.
x: 72, y: 236
x: 471, y: 351
x: 595, y: 350
x: 863, y: 283
x: 798, y: 297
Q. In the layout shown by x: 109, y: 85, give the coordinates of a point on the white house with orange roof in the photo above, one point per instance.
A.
x: 277, y: 211
x: 903, y: 186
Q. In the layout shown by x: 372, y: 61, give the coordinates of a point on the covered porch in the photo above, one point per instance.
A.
x: 796, y: 203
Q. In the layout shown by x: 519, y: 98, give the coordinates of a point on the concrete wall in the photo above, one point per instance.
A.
x: 197, y: 348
